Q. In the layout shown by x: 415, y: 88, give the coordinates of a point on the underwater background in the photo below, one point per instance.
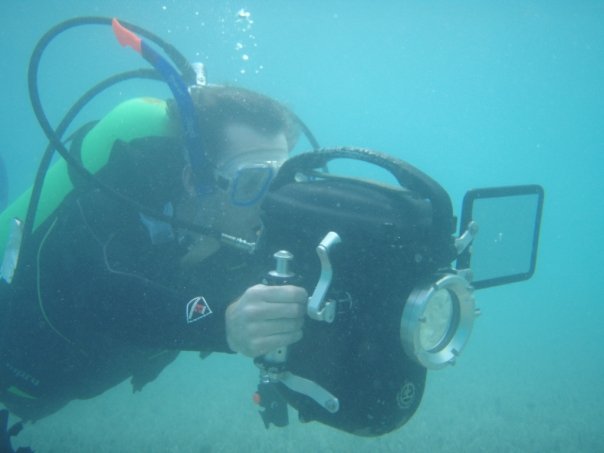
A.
x: 475, y: 93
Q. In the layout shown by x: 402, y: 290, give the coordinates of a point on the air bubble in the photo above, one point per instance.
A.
x: 243, y: 14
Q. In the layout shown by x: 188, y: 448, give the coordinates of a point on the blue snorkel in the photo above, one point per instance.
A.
x: 188, y: 114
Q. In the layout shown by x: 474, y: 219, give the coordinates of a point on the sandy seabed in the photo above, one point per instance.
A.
x: 206, y: 407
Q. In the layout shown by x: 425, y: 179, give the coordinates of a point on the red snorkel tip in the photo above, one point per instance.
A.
x: 125, y: 37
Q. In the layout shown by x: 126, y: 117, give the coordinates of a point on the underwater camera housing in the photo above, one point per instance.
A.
x: 390, y: 303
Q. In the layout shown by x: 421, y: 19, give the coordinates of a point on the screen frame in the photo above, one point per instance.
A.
x: 464, y: 259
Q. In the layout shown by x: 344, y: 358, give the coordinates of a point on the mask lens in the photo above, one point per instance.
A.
x: 250, y: 184
x: 248, y: 175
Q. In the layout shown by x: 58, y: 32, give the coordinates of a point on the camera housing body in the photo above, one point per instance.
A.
x: 391, y: 239
x: 392, y: 301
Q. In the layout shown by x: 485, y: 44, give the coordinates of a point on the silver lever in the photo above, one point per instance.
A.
x: 318, y: 308
x: 312, y: 390
x: 462, y: 242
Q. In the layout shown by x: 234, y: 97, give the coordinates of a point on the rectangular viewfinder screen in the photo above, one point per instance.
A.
x: 504, y: 250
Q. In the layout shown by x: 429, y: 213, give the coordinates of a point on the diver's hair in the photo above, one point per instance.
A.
x: 218, y: 106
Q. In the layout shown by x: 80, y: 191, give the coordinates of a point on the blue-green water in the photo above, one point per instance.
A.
x: 475, y: 93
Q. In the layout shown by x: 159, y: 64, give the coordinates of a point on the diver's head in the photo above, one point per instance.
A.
x: 245, y: 136
x: 219, y: 106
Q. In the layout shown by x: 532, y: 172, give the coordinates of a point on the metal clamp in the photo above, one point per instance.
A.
x: 462, y: 242
x: 305, y: 387
x: 318, y: 308
x: 312, y: 390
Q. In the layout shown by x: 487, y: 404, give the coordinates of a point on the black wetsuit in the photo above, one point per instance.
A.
x: 99, y: 295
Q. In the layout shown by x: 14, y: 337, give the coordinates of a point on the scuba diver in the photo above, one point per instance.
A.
x: 186, y: 225
x: 105, y: 293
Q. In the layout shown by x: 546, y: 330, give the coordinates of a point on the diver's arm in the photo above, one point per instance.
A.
x: 90, y: 266
x: 98, y: 255
x: 140, y: 311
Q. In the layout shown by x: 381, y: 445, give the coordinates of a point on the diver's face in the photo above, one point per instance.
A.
x: 244, y: 170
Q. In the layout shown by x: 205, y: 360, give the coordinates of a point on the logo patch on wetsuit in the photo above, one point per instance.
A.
x: 197, y: 308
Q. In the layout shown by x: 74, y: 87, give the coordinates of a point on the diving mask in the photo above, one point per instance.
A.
x: 247, y: 176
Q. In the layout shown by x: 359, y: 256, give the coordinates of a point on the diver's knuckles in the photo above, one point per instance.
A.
x: 281, y: 294
x: 295, y: 312
x: 300, y: 311
x: 254, y: 311
x: 254, y: 292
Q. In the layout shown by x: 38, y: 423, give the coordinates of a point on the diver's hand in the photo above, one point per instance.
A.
x: 266, y: 318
